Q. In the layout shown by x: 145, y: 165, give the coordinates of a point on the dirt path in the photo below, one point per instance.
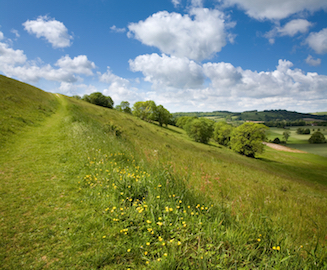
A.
x: 283, y: 148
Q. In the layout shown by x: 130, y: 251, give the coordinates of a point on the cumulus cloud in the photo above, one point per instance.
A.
x: 230, y: 87
x: 291, y: 29
x: 79, y: 65
x: 197, y: 35
x: 119, y: 88
x: 168, y: 71
x: 53, y: 31
x: 318, y: 41
x: 277, y: 9
x: 9, y: 56
x: 313, y: 62
x: 14, y: 63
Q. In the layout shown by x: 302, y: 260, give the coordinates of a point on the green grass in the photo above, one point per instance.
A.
x: 75, y: 196
x: 300, y: 141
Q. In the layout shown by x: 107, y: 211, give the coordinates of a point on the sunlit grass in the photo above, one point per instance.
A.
x: 76, y: 196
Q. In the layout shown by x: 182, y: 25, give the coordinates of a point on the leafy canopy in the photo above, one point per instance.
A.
x: 200, y: 129
x: 99, y: 99
x: 247, y: 139
x: 317, y: 137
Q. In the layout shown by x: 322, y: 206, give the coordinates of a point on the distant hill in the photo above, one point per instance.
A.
x: 265, y: 116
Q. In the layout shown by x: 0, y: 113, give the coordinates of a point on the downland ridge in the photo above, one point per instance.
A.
x: 70, y: 198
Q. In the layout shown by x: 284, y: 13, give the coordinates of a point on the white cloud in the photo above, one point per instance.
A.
x: 53, y: 31
x: 291, y: 29
x: 117, y: 30
x: 75, y: 89
x: 313, y: 62
x: 15, y: 32
x: 232, y: 87
x: 197, y: 35
x: 1, y: 35
x: 9, y: 56
x: 176, y: 3
x: 318, y: 41
x: 119, y: 89
x: 14, y: 63
x: 165, y: 71
x: 294, y: 27
x: 79, y: 65
x: 277, y: 9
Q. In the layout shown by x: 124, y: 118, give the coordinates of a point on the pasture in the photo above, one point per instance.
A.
x: 300, y: 141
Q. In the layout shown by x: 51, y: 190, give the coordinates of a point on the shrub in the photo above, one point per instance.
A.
x: 317, y: 137
x: 276, y: 140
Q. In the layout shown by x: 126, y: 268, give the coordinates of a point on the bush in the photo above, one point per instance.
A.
x: 276, y: 140
x: 317, y: 137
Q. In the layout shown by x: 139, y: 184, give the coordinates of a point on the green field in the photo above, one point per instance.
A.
x: 74, y: 195
x: 300, y: 141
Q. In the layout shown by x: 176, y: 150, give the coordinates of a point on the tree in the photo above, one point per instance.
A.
x: 247, y: 139
x: 286, y: 135
x: 222, y: 132
x: 99, y: 99
x: 183, y: 120
x: 163, y: 116
x: 124, y: 107
x: 200, y: 129
x: 317, y: 137
x: 146, y: 110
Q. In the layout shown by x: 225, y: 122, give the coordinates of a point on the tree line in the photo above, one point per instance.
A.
x: 245, y: 139
x: 146, y: 110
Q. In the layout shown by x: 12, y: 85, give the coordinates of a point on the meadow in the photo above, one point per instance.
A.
x: 300, y: 141
x: 85, y: 187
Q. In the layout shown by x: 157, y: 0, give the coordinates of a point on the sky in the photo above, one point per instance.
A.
x: 187, y: 55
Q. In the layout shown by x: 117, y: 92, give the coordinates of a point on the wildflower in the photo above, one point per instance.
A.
x: 259, y: 239
x: 129, y: 250
x: 165, y: 254
x: 159, y: 259
x: 147, y: 243
x: 158, y: 197
x: 179, y: 243
x: 147, y: 262
x: 145, y: 253
x: 104, y: 236
x: 278, y: 247
x: 148, y: 221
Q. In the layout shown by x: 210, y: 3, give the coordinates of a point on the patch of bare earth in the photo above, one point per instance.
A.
x: 282, y: 148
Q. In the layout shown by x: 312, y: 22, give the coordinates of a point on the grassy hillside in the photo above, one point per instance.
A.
x: 77, y: 194
x: 21, y: 106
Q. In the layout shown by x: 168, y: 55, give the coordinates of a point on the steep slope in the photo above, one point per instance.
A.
x: 77, y: 194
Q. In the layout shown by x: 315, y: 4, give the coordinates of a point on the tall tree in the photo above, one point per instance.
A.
x: 163, y: 116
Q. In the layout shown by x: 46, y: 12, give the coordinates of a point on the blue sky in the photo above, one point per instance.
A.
x: 193, y: 55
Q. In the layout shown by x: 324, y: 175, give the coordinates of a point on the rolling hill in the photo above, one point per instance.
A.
x: 77, y: 194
